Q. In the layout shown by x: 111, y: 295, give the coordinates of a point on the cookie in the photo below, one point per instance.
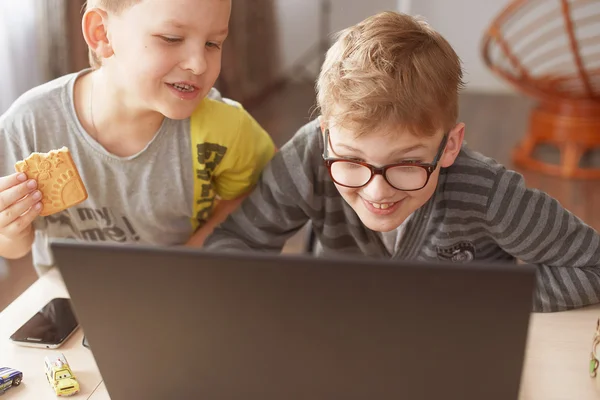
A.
x: 57, y: 178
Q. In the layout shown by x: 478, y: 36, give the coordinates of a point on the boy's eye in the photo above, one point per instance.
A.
x: 213, y: 45
x: 171, y: 39
x: 350, y: 158
x: 351, y: 165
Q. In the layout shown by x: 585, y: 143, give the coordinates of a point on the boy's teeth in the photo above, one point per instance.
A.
x: 183, y: 87
x: 382, y: 206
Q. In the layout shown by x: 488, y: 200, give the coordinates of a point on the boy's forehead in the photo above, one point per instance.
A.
x: 112, y: 6
x: 386, y: 141
x: 385, y: 131
x: 211, y: 15
x: 179, y: 9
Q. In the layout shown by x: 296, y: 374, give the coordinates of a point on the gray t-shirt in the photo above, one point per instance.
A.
x: 392, y: 239
x: 146, y: 198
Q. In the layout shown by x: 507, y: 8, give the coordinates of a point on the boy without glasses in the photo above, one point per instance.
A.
x: 383, y: 172
x: 156, y: 146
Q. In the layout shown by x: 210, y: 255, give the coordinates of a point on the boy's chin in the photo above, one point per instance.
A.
x: 178, y: 109
x: 377, y: 223
x: 177, y: 113
x: 381, y: 223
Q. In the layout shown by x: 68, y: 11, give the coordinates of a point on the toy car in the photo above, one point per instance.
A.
x: 9, y: 377
x: 60, y: 377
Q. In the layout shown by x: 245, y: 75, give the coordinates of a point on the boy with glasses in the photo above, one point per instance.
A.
x: 383, y: 173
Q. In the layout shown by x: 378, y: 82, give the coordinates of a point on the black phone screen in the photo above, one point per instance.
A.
x: 51, y: 325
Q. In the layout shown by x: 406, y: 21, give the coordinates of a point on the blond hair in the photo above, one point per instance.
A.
x: 390, y: 68
x: 112, y: 6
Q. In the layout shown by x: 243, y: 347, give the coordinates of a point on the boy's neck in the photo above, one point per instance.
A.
x: 104, y: 113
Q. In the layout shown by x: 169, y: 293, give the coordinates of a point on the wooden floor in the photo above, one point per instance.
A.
x: 495, y: 123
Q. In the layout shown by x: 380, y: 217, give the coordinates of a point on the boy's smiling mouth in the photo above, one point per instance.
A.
x: 385, y: 208
x: 184, y: 87
x: 184, y: 90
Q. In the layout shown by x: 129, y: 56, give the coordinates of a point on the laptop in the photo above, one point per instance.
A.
x: 179, y: 323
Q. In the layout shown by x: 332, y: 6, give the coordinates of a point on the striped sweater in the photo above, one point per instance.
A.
x: 480, y: 211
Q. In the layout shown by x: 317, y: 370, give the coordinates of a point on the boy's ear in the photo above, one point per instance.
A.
x: 453, y: 145
x: 94, y: 27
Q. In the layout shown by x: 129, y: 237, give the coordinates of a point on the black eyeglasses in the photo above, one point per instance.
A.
x: 406, y: 176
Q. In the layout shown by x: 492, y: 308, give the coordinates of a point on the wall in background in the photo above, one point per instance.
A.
x: 299, y: 26
x: 19, y: 61
x: 462, y: 22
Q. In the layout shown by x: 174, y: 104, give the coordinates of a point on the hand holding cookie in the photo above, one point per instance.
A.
x: 57, y: 178
x: 45, y: 183
x: 19, y: 205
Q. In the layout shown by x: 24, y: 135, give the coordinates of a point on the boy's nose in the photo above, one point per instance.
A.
x: 196, y: 63
x: 378, y: 189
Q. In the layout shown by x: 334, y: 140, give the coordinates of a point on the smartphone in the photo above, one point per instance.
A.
x: 50, y: 327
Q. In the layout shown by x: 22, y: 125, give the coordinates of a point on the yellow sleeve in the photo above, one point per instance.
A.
x: 253, y: 148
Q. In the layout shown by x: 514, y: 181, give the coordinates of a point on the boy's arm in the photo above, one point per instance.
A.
x: 220, y: 213
x: 280, y: 204
x: 13, y: 249
x: 266, y: 219
x: 535, y: 228
x: 237, y: 174
x: 11, y: 151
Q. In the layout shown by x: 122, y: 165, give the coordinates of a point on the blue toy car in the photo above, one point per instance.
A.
x: 9, y: 377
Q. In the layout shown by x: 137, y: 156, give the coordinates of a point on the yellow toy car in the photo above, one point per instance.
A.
x: 60, y: 377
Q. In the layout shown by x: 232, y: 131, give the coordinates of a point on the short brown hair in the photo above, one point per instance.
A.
x: 113, y: 6
x: 390, y: 68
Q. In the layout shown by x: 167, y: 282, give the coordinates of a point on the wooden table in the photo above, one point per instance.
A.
x: 30, y: 360
x: 556, y: 361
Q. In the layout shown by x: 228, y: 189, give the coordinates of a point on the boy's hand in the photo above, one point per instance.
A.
x: 220, y: 213
x: 19, y: 205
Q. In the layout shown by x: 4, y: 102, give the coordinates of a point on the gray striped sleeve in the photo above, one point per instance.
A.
x: 282, y: 202
x: 535, y: 228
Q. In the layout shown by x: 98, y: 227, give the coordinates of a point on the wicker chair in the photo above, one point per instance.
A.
x: 550, y: 50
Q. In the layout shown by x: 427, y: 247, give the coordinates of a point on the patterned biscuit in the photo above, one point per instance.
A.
x: 57, y: 178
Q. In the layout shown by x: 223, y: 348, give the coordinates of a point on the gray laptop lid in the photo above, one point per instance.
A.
x: 186, y: 324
